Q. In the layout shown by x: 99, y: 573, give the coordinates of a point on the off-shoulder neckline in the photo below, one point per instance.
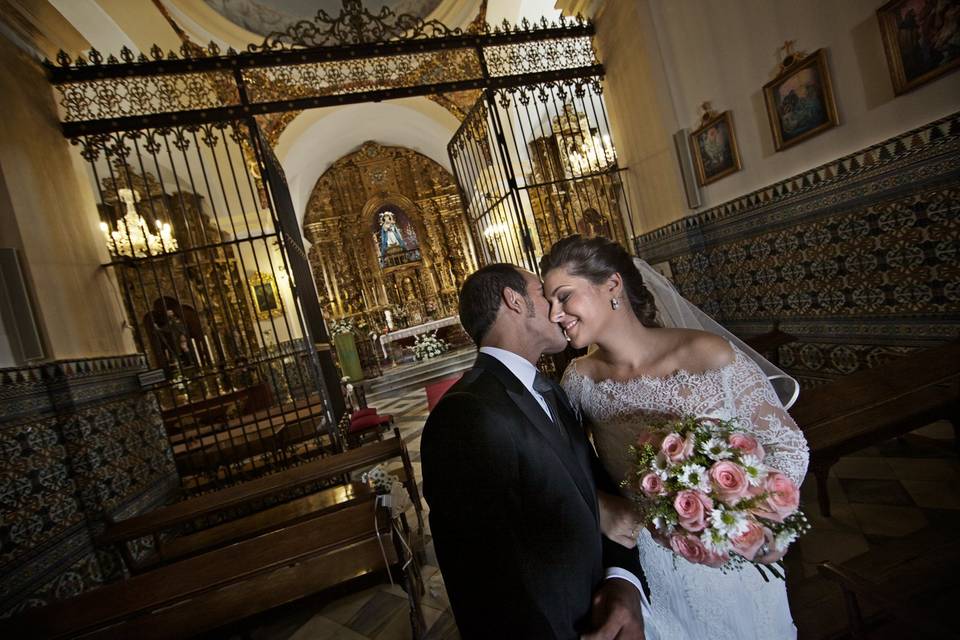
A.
x: 737, y: 355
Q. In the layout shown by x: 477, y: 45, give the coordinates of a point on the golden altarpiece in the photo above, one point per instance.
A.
x: 390, y: 246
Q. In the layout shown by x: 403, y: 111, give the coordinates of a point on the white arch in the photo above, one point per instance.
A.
x: 315, y: 139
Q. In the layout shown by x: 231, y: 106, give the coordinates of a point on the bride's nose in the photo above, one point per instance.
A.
x: 556, y: 312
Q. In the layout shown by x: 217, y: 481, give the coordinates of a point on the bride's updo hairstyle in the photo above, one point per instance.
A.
x: 596, y: 259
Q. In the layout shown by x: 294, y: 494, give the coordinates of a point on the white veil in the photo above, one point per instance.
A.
x: 676, y: 311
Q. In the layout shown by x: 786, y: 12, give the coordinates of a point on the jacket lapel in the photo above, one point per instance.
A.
x: 572, y: 457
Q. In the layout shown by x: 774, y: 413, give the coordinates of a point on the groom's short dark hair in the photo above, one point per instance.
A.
x: 481, y: 294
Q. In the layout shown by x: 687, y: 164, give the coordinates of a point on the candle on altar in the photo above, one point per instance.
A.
x: 206, y: 341
x: 389, y: 318
x: 196, y: 352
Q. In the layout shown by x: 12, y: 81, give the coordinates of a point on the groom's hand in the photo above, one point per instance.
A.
x: 616, y: 612
x: 619, y: 520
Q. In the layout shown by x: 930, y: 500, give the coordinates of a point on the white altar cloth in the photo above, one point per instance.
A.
x: 416, y: 330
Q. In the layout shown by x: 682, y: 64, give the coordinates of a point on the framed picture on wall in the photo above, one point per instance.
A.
x: 266, y: 297
x: 714, y: 148
x: 921, y: 39
x: 800, y: 100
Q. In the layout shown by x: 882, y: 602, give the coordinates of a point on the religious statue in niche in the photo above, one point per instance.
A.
x: 395, y: 237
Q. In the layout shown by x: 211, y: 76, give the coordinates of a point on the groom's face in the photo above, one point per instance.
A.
x: 547, y: 333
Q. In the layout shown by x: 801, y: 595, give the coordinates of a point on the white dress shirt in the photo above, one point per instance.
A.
x: 525, y: 371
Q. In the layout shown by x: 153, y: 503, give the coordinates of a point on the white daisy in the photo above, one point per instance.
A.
x: 660, y: 466
x: 728, y: 522
x: 715, y: 449
x: 784, y: 539
x: 715, y: 540
x: 694, y: 476
x: 756, y: 471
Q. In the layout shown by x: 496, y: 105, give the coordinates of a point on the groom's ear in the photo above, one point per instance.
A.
x: 512, y: 300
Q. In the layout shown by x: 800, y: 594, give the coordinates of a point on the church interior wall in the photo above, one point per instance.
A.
x: 725, y: 52
x: 856, y: 258
x: 52, y: 209
x: 78, y: 436
x: 848, y: 239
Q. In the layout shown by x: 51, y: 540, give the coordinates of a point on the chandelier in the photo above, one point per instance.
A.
x: 132, y: 237
x: 592, y: 156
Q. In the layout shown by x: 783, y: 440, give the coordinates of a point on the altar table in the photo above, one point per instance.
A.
x: 416, y: 330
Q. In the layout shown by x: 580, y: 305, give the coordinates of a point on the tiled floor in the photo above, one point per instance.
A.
x: 880, y: 497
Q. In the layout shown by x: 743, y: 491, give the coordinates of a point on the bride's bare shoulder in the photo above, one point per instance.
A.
x: 701, y: 351
x: 586, y: 366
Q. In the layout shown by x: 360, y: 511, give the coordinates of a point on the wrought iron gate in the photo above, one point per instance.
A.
x: 203, y: 236
x: 536, y: 163
x: 208, y: 256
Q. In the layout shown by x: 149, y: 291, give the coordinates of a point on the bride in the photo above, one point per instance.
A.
x: 641, y: 373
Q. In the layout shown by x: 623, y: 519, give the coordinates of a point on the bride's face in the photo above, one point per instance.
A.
x: 580, y: 307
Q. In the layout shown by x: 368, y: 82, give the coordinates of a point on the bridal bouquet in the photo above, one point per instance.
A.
x: 704, y: 491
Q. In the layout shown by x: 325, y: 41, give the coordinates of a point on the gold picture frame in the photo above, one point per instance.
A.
x: 266, y: 296
x: 714, y: 148
x: 914, y: 59
x: 800, y: 102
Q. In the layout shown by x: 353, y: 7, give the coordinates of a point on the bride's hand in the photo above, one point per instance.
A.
x: 619, y: 519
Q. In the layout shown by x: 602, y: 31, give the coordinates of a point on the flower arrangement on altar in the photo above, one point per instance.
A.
x: 400, y: 315
x: 704, y: 491
x: 341, y: 326
x: 428, y: 346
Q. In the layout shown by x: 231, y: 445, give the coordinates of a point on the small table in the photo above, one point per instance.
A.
x: 415, y: 330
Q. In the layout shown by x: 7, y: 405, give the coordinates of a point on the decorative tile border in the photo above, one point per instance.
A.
x: 78, y: 440
x: 939, y: 139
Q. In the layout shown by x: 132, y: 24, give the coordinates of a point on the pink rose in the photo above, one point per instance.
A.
x: 650, y: 437
x: 730, y: 481
x: 749, y: 542
x: 783, y: 498
x: 747, y: 445
x: 692, y: 507
x: 677, y: 449
x: 652, y: 485
x: 689, y: 548
x: 715, y: 559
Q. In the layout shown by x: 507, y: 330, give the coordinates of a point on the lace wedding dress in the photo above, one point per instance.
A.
x: 688, y: 601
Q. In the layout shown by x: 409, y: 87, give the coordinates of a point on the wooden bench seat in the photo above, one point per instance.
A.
x: 242, y: 495
x: 877, y: 404
x: 209, y: 590
x: 260, y: 522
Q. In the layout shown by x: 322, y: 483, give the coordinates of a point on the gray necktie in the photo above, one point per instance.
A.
x: 543, y: 385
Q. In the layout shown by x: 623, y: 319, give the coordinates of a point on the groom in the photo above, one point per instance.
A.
x: 509, y: 477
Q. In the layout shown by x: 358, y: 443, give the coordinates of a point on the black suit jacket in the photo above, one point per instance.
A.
x: 513, y: 510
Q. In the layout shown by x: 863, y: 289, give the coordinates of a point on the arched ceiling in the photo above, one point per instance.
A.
x: 317, y: 138
x: 266, y: 16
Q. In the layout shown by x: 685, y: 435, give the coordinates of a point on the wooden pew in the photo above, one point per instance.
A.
x: 889, y: 598
x: 877, y: 404
x: 310, y: 506
x: 227, y: 584
x: 243, y: 495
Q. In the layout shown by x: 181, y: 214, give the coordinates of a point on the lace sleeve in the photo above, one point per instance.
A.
x: 757, y: 405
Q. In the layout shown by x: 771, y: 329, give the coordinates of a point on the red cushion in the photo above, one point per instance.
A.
x: 359, y: 413
x: 436, y: 390
x: 368, y: 422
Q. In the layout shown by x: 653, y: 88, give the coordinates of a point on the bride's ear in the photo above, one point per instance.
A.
x: 614, y: 285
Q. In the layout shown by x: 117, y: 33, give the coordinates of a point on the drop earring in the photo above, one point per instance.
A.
x: 615, y: 303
